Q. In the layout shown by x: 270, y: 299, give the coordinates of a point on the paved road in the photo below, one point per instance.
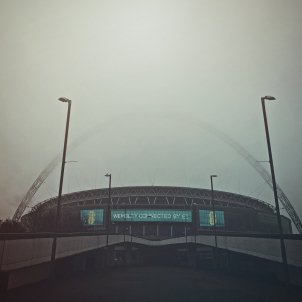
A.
x: 146, y: 284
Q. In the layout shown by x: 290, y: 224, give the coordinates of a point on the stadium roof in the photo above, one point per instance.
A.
x: 158, y: 196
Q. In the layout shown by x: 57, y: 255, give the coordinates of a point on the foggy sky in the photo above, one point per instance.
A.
x: 146, y: 74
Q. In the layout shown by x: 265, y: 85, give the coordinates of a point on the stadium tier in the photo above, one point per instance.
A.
x: 158, y: 211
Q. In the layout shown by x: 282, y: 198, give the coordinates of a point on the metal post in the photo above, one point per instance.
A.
x: 130, y: 227
x: 107, y: 219
x: 283, y: 251
x: 195, y: 212
x: 108, y: 209
x: 125, y: 221
x: 130, y: 230
x: 195, y: 216
x: 58, y: 213
x: 213, y: 209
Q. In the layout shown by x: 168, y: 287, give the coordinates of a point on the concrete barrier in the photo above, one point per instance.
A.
x: 31, y: 256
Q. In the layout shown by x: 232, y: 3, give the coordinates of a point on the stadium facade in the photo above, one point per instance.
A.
x: 163, y: 211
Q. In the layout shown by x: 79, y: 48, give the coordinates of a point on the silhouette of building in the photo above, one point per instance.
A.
x: 159, y: 211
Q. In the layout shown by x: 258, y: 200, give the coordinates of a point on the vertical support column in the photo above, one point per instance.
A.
x: 282, y: 243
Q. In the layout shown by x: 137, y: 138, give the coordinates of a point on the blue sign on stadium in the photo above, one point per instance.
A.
x: 92, y: 217
x: 206, y: 218
x: 151, y: 215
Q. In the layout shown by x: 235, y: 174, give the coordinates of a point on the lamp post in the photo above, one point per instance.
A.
x: 195, y: 215
x: 124, y: 221
x: 214, y: 220
x: 130, y: 230
x: 124, y: 231
x: 58, y: 213
x: 283, y: 251
x: 108, y: 207
x: 213, y: 208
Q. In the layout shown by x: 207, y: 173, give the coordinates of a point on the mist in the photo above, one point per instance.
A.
x: 144, y: 76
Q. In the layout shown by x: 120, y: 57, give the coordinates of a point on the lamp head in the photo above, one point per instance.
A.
x: 108, y: 175
x: 63, y: 99
x: 214, y: 176
x: 269, y: 97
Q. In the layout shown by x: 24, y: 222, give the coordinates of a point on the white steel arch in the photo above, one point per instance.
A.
x: 217, y: 133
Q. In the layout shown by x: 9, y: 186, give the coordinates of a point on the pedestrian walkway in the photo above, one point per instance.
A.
x: 155, y: 284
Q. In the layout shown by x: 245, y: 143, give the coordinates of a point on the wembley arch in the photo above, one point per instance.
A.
x: 222, y: 136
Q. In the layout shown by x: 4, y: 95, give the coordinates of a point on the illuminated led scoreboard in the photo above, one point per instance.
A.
x: 206, y: 218
x: 95, y: 217
x: 162, y: 211
x: 92, y: 217
x: 151, y: 216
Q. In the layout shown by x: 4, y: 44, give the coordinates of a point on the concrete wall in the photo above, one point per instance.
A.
x: 67, y: 246
x: 30, y: 256
x: 18, y: 253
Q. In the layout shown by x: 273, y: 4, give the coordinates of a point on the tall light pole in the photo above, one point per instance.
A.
x: 108, y: 207
x: 124, y: 220
x: 194, y: 226
x: 195, y: 216
x: 58, y: 213
x: 213, y: 208
x: 283, y: 251
x: 214, y: 219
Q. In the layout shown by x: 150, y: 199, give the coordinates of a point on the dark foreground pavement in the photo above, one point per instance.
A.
x: 145, y: 284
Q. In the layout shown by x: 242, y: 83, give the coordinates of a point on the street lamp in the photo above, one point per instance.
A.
x: 108, y: 207
x: 194, y: 214
x: 58, y: 213
x: 214, y: 219
x: 124, y: 231
x: 283, y: 251
x: 213, y: 208
x: 125, y: 221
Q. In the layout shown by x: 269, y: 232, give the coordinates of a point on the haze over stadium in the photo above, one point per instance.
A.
x: 146, y: 74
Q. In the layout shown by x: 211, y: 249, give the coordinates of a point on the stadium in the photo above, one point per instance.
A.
x: 158, y: 212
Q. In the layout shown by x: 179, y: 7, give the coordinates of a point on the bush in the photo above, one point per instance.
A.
x: 11, y: 226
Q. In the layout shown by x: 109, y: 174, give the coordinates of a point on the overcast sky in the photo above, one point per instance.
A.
x: 145, y: 75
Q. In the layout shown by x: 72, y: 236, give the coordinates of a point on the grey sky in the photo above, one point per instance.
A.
x: 146, y: 73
